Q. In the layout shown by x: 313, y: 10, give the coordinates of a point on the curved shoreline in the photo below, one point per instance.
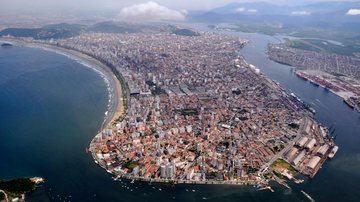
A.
x: 115, y: 107
x: 117, y: 112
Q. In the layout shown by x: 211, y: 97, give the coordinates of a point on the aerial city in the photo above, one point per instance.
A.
x: 180, y: 101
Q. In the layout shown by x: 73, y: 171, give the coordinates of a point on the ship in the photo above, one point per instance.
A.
x: 265, y: 188
x: 314, y: 83
x: 349, y: 103
x: 312, y: 110
x: 326, y: 88
x: 308, y: 107
x: 307, y: 196
x: 333, y: 151
x: 6, y: 44
x: 300, y: 75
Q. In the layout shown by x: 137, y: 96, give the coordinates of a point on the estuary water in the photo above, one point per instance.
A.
x: 52, y: 106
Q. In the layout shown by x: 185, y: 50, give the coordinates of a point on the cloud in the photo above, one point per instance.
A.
x: 150, y: 11
x: 353, y: 12
x: 252, y: 11
x: 300, y: 13
x: 184, y: 12
x: 240, y: 10
x: 245, y: 10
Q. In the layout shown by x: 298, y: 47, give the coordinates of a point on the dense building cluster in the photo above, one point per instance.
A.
x: 327, y: 62
x: 196, y: 111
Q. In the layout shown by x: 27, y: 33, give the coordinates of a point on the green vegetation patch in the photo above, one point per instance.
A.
x: 268, y: 175
x: 279, y: 175
x: 188, y: 111
x: 129, y: 165
x: 314, y: 36
x: 280, y: 165
x: 186, y: 32
x: 299, y: 44
x: 320, y: 45
x: 55, y: 31
x: 17, y: 186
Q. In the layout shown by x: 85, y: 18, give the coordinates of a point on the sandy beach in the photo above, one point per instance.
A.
x: 115, y: 105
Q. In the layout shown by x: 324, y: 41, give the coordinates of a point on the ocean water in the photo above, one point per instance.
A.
x: 52, y: 106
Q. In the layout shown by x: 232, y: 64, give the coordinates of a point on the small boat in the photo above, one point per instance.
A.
x: 333, y: 152
x: 299, y: 181
x: 6, y: 44
x: 266, y: 188
x: 117, y: 178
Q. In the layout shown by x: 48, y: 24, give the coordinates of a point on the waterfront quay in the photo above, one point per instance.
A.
x: 341, y: 85
x: 339, y: 74
x: 311, y: 149
x: 195, y: 111
x: 311, y: 60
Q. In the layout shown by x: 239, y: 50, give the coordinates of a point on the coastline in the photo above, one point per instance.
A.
x: 339, y: 88
x: 335, y: 88
x: 333, y: 170
x: 115, y: 107
x: 113, y: 118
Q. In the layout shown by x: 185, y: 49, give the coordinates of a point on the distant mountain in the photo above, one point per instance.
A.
x: 125, y: 27
x: 112, y: 27
x: 325, y: 15
x: 264, y: 8
x: 185, y: 32
x: 54, y: 31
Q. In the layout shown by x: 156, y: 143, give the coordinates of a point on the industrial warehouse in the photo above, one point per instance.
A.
x: 311, y: 150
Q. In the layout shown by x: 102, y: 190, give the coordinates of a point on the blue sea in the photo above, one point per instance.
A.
x: 52, y: 106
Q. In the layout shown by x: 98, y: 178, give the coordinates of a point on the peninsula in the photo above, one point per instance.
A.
x: 196, y: 112
x: 190, y: 109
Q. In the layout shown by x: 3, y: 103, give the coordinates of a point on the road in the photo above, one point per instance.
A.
x: 6, y: 197
x: 289, y: 145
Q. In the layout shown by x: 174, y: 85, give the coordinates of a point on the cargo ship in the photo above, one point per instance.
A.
x: 349, y: 103
x: 300, y: 75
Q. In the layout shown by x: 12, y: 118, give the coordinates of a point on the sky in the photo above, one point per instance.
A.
x: 137, y: 9
x: 39, y: 5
